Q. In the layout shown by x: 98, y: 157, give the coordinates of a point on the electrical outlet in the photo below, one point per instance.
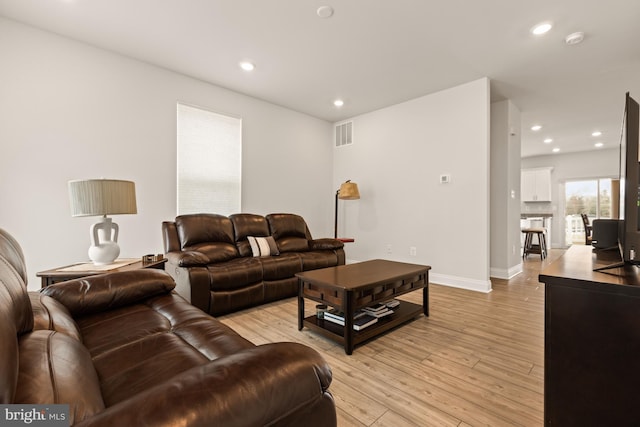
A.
x: 412, y: 251
x: 389, y: 249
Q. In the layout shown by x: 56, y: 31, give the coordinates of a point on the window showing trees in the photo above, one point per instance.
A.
x: 592, y: 197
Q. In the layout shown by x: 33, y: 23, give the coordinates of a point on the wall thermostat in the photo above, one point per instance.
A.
x: 445, y: 179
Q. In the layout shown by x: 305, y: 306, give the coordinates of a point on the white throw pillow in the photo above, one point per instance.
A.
x: 263, y: 246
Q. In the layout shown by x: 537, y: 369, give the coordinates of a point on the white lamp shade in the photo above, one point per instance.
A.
x: 93, y: 197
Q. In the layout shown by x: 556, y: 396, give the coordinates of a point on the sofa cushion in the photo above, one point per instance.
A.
x: 16, y: 317
x: 293, y: 244
x: 263, y: 246
x: 215, y: 251
x: 10, y: 250
x: 57, y: 369
x: 50, y: 315
x: 210, y: 234
x: 104, y: 332
x: 280, y: 384
x: 325, y: 244
x: 290, y: 232
x: 8, y: 359
x: 318, y: 259
x: 245, y: 225
x: 278, y: 289
x: 234, y: 274
x: 142, y: 364
x: 281, y: 267
x: 222, y: 302
x: 14, y: 298
x: 211, y: 337
x: 109, y: 291
x: 137, y: 347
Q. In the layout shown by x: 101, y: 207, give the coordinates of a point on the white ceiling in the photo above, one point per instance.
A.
x: 375, y: 53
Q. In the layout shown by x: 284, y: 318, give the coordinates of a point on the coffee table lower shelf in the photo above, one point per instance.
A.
x: 405, y: 312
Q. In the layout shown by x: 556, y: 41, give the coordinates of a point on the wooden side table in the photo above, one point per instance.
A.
x: 55, y: 275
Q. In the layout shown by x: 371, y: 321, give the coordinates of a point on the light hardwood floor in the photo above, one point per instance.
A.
x: 477, y: 360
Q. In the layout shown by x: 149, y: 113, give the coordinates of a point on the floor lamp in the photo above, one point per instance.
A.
x: 102, y: 197
x: 348, y: 191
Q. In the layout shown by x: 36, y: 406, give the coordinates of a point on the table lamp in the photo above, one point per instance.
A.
x: 102, y: 197
x: 348, y: 191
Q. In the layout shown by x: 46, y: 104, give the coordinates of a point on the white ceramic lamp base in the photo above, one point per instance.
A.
x: 104, y: 242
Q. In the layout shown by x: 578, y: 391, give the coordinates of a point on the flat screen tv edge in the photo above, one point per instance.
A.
x: 629, y: 225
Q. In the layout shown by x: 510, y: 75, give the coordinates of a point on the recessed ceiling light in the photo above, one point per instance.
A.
x: 536, y: 128
x: 596, y: 133
x: 548, y: 141
x: 598, y: 144
x: 338, y: 102
x: 574, y: 38
x: 555, y: 150
x: 541, y: 28
x: 247, y: 66
x: 324, y: 11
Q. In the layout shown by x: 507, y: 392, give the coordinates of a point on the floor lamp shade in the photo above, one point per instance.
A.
x: 348, y: 191
x: 102, y: 197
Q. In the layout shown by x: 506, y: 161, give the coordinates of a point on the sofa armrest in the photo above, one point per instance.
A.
x: 187, y: 258
x: 192, y: 283
x: 325, y: 244
x: 264, y: 385
x: 104, y: 292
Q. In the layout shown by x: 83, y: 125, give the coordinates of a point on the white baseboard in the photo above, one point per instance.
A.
x: 461, y: 282
x: 501, y: 273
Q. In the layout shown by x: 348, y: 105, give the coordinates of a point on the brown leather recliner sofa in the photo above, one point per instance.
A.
x: 123, y: 349
x: 213, y: 264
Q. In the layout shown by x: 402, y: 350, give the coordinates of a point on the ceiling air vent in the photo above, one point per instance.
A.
x: 344, y: 134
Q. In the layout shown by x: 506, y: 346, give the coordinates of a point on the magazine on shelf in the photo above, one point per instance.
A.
x: 360, y: 322
x: 375, y: 308
x: 392, y: 303
x: 381, y: 313
x: 363, y: 322
x: 338, y: 315
x: 381, y: 309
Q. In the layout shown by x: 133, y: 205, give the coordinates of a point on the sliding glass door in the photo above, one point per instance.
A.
x: 591, y: 197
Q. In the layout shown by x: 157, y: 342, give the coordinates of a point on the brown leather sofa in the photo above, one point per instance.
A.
x: 213, y: 264
x: 123, y: 349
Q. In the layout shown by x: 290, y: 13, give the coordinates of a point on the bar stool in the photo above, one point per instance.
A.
x: 529, y: 247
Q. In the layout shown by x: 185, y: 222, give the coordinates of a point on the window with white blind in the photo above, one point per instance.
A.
x: 209, y: 162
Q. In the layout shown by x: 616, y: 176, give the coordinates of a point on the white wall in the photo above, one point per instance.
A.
x: 506, y: 260
x: 72, y: 111
x: 397, y: 158
x: 602, y: 163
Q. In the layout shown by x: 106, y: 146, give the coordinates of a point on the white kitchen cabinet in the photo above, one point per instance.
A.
x: 535, y: 185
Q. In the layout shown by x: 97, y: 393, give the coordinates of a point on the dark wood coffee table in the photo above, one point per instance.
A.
x: 352, y: 287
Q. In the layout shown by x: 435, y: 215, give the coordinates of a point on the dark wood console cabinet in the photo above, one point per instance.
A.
x: 592, y: 341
